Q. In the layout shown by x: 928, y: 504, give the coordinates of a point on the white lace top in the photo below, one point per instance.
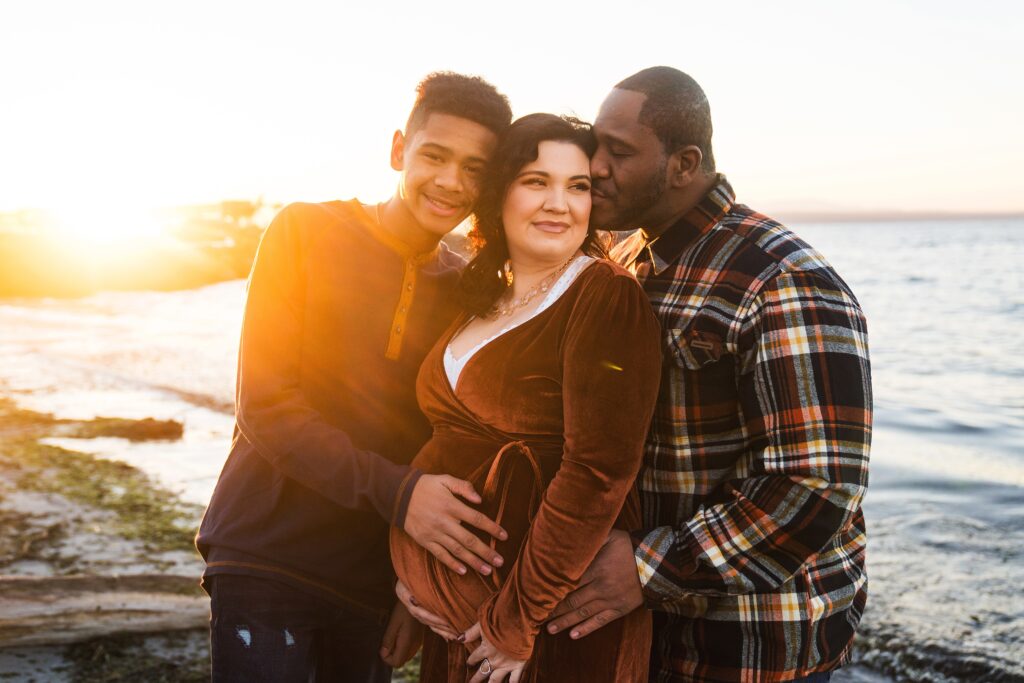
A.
x: 453, y: 366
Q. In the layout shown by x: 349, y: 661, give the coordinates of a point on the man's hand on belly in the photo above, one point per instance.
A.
x: 435, y: 517
x: 609, y: 589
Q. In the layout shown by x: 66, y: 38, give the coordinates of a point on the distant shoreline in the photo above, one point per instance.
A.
x: 37, y: 267
x: 887, y: 216
x: 34, y: 266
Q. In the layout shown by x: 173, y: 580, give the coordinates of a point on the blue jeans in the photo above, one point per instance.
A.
x: 263, y: 630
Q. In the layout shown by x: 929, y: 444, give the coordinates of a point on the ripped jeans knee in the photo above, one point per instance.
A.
x: 264, y: 631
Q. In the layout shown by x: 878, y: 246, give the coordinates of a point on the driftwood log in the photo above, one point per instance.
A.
x: 56, y: 610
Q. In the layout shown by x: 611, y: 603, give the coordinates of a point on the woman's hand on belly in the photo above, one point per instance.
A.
x: 425, y: 617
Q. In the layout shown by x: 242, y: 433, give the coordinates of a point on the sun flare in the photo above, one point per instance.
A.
x: 113, y: 229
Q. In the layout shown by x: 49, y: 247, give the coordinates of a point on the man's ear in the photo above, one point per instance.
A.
x: 398, y: 151
x: 684, y: 166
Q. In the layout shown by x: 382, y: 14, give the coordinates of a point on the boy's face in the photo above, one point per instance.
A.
x: 442, y: 163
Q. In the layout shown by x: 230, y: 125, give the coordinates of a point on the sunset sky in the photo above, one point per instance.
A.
x: 867, y: 106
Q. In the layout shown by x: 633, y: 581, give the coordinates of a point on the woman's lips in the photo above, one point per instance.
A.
x: 551, y: 226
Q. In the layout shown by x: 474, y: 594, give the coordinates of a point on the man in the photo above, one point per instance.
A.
x: 752, y: 552
x: 344, y: 302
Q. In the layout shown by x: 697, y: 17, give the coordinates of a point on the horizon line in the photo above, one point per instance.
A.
x: 895, y: 215
x: 788, y: 215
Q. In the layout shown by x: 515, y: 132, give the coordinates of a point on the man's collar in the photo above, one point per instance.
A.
x: 392, y: 241
x: 705, y: 215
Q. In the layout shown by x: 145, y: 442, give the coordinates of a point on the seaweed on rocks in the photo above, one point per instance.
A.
x: 141, y: 509
x: 22, y: 423
x: 146, y: 429
x: 172, y: 658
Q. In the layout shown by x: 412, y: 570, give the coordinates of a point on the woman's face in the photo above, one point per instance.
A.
x: 547, y: 206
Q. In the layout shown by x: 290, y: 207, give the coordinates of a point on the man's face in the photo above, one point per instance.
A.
x: 629, y: 167
x: 442, y: 163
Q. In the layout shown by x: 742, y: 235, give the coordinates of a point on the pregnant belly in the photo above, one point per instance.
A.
x: 508, y: 477
x: 440, y: 590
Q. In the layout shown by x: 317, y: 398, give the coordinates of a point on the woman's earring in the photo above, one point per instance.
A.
x: 509, y: 275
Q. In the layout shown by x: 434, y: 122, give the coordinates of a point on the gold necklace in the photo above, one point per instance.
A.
x: 502, y: 310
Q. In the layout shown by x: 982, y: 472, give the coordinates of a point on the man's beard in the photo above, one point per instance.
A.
x: 627, y: 217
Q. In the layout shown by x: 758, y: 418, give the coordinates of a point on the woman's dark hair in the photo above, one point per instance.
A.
x: 483, y: 281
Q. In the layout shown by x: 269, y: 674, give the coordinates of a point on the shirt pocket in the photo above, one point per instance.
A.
x: 693, y: 348
x: 700, y: 398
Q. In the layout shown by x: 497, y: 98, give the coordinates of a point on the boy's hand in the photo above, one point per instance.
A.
x: 434, y: 520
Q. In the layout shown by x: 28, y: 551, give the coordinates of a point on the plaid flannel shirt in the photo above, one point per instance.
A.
x: 753, y: 546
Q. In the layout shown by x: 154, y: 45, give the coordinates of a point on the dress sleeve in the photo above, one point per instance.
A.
x: 272, y: 412
x: 610, y: 371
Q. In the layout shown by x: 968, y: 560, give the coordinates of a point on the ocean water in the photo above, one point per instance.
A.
x: 945, y: 507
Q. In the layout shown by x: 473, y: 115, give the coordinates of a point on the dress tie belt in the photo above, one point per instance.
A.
x: 498, y: 485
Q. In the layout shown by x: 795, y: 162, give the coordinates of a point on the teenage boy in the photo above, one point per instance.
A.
x: 344, y: 301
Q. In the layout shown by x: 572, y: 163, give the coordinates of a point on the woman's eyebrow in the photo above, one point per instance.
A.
x: 584, y: 176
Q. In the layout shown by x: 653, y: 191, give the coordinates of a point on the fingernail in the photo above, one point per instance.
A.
x: 461, y: 638
x: 574, y: 635
x: 497, y: 561
x: 503, y: 535
x: 485, y: 570
x: 552, y: 628
x: 461, y: 570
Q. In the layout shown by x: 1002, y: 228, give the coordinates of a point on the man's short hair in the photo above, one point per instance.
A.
x: 676, y: 109
x: 468, y: 97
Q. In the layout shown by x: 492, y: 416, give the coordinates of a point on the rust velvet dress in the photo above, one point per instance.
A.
x: 548, y: 422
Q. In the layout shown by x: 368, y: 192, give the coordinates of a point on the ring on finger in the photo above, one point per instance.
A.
x: 485, y: 668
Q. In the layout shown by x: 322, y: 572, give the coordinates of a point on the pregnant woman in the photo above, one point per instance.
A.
x: 540, y: 395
